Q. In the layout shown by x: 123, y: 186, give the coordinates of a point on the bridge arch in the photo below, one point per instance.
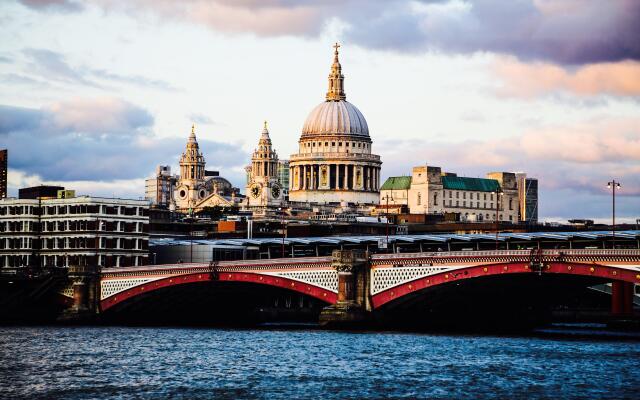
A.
x: 593, y: 270
x: 317, y: 292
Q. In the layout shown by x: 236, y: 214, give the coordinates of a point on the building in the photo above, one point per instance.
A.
x: 40, y: 192
x: 4, y: 165
x: 73, y: 231
x: 430, y: 191
x: 159, y: 189
x: 335, y: 162
x: 264, y: 190
x: 283, y: 177
x: 196, y: 188
x: 527, y: 198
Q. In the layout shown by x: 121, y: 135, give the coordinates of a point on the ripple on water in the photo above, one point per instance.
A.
x: 124, y: 363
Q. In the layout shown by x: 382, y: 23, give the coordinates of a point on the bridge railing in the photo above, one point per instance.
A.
x: 309, y: 262
x: 512, y: 253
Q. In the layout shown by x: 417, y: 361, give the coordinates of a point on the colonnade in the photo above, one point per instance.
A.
x: 335, y: 176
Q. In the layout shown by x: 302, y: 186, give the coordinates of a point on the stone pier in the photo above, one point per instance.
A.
x: 86, y: 296
x: 353, y: 308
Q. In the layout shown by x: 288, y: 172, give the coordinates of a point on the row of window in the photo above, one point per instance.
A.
x: 25, y: 243
x: 73, y: 209
x: 340, y: 144
x: 73, y: 226
x: 464, y: 195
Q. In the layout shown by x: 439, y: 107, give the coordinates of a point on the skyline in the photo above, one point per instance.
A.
x: 433, y: 79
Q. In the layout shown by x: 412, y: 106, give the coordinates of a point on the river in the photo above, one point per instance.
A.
x: 205, y: 363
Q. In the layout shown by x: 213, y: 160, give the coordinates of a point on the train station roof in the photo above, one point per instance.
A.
x: 425, y: 238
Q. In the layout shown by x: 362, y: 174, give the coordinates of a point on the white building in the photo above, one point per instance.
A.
x: 429, y: 191
x: 159, y: 189
x: 73, y: 231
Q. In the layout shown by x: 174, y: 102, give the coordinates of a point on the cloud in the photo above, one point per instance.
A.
x: 558, y: 31
x: 52, y: 5
x: 95, y: 140
x: 97, y: 116
x: 536, y: 79
x: 573, y: 162
x: 54, y: 66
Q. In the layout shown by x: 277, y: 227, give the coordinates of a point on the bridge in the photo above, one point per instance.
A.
x: 352, y: 284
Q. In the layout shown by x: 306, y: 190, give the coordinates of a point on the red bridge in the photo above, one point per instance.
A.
x: 355, y: 280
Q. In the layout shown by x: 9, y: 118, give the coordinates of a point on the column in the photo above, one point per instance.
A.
x: 304, y: 177
x: 345, y: 177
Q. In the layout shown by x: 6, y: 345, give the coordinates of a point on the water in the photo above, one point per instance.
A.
x: 161, y: 363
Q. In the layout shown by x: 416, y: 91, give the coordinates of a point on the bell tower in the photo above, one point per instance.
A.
x: 191, y: 188
x: 263, y: 188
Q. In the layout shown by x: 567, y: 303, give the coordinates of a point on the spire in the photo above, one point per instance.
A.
x: 192, y: 137
x: 336, y: 79
x: 265, y: 132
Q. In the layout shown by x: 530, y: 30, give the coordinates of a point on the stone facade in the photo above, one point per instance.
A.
x: 264, y: 189
x: 335, y: 162
x: 430, y: 191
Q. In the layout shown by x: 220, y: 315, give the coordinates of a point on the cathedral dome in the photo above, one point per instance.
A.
x: 335, y: 117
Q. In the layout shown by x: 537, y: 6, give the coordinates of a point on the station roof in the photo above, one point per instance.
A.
x: 425, y: 238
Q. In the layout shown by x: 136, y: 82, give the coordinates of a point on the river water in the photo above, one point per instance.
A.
x: 203, y: 363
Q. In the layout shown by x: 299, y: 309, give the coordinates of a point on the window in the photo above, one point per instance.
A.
x: 464, y: 195
x: 510, y: 204
x: 457, y: 203
x: 419, y: 198
x: 450, y: 193
x: 333, y: 143
x: 435, y: 199
x: 457, y: 196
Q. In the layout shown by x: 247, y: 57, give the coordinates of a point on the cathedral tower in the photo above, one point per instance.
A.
x: 263, y: 188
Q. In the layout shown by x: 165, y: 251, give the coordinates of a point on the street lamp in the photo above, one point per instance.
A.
x: 499, y: 194
x: 282, y: 226
x: 387, y: 198
x: 614, y: 186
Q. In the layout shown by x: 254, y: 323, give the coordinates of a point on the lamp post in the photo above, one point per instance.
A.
x: 282, y: 226
x: 613, y: 185
x: 499, y: 194
x: 387, y: 198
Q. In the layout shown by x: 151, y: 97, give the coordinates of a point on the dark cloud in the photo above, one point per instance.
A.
x: 55, y: 143
x: 51, y: 65
x: 53, y: 5
x: 559, y: 31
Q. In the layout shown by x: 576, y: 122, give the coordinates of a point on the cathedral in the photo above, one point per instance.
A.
x: 335, y: 163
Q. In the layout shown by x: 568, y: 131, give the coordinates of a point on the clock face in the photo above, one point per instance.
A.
x: 275, y: 192
x: 255, y: 191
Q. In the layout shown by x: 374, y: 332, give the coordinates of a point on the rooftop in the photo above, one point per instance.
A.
x: 472, y: 184
x: 397, y: 183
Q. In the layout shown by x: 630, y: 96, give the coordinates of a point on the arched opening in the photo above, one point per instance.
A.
x: 216, y: 303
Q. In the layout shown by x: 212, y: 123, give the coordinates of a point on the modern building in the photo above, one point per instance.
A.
x: 264, y: 190
x: 335, y: 163
x: 283, y: 177
x: 527, y: 198
x: 73, y: 231
x: 430, y: 191
x: 159, y: 189
x: 4, y: 164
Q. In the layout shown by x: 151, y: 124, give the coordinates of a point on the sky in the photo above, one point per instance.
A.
x: 96, y: 94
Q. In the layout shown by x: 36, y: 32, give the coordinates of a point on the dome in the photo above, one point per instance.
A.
x: 335, y: 117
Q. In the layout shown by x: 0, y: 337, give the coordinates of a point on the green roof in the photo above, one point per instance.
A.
x: 397, y: 183
x: 474, y: 184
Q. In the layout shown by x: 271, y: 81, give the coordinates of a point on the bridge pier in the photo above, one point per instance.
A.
x: 353, y: 308
x: 86, y: 294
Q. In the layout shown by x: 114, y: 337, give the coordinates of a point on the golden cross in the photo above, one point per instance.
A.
x: 265, y: 124
x: 193, y: 129
x: 336, y: 46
